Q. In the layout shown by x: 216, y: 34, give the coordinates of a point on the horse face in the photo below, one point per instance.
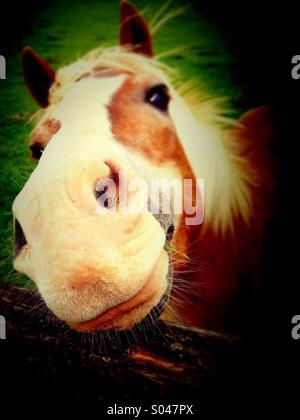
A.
x: 94, y: 267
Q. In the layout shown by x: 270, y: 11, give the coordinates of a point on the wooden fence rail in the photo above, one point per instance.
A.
x: 42, y: 358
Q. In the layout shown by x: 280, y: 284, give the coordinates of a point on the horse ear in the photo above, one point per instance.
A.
x: 38, y: 76
x: 134, y: 31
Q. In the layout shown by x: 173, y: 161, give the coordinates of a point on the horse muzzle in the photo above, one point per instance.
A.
x: 93, y: 269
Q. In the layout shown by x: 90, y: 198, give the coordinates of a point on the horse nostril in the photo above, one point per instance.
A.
x: 19, y: 238
x: 106, y: 190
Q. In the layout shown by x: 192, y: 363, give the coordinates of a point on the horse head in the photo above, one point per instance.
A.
x: 113, y: 122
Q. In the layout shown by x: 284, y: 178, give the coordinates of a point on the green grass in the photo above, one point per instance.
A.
x: 60, y: 32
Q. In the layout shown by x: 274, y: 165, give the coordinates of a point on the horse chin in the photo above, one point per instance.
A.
x: 146, y: 303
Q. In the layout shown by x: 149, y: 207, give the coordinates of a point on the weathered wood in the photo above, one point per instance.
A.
x: 42, y: 357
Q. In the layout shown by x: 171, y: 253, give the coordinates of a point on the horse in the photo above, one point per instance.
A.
x: 116, y: 110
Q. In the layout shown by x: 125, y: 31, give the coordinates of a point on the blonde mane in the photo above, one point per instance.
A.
x: 218, y: 159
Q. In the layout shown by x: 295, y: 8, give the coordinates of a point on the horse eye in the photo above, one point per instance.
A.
x: 170, y: 233
x: 36, y: 151
x: 158, y: 97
